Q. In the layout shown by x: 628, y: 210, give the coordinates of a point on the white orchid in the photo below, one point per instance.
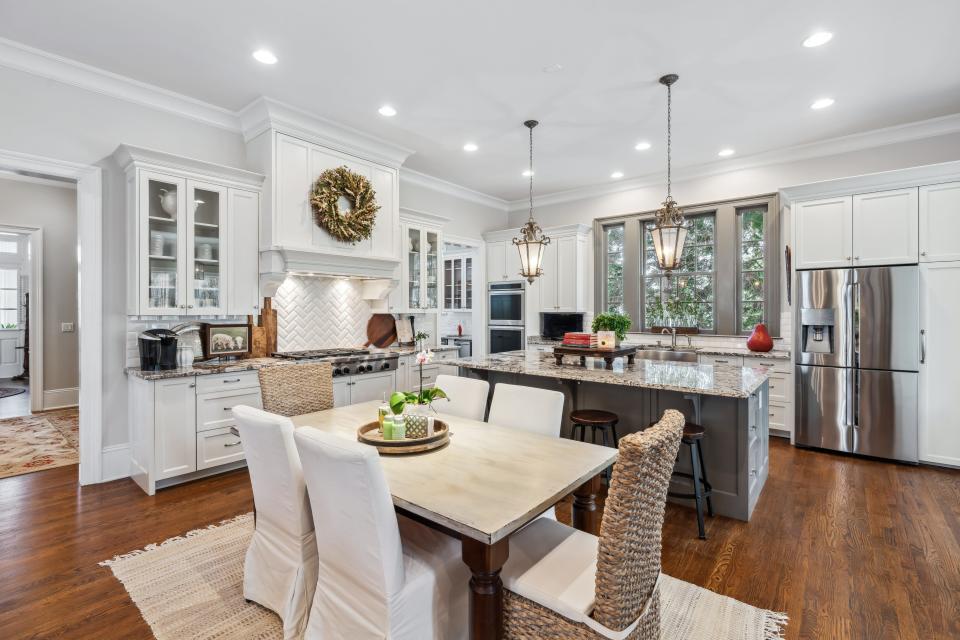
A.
x: 424, y: 357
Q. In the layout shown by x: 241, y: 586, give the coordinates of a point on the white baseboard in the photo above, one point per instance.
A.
x: 115, y: 462
x: 60, y: 398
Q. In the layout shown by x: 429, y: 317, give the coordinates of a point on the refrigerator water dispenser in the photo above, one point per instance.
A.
x: 817, y: 328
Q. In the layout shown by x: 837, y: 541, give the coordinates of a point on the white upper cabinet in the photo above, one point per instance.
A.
x: 885, y: 228
x: 561, y: 288
x: 193, y: 238
x: 497, y: 269
x: 939, y: 433
x: 421, y: 267
x: 940, y: 222
x: 823, y: 233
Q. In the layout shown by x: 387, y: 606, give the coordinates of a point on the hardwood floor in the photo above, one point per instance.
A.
x: 849, y: 548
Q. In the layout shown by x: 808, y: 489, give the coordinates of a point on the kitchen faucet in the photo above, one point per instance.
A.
x: 673, y: 336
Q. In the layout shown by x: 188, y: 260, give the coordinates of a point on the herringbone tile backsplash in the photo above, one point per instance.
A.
x: 316, y: 313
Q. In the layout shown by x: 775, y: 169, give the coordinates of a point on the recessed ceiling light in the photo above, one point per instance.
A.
x: 817, y: 39
x: 470, y: 147
x: 642, y: 146
x: 821, y: 103
x: 725, y: 153
x: 527, y: 173
x: 265, y: 56
x: 387, y: 111
x: 553, y: 68
x: 616, y: 175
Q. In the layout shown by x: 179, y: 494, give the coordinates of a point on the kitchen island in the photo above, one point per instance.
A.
x: 729, y: 402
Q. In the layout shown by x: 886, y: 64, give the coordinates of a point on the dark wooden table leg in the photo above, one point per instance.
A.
x: 585, y: 514
x: 486, y: 588
x: 583, y: 361
x: 631, y: 358
x: 559, y: 358
x: 608, y: 362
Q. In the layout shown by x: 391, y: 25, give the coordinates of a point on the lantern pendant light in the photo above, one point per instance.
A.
x: 669, y: 232
x: 531, y: 241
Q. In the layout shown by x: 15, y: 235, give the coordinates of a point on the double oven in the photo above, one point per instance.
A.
x: 505, y: 317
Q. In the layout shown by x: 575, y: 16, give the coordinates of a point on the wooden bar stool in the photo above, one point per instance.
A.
x: 692, y: 435
x: 605, y: 421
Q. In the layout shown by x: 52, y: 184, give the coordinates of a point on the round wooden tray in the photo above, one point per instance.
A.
x: 369, y: 434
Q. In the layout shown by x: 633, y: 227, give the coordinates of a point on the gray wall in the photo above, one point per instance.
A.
x: 53, y: 209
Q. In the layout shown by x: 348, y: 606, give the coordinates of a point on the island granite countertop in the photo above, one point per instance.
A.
x: 710, y: 380
x: 709, y: 350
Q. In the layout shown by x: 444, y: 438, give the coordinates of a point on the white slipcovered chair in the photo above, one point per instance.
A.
x: 381, y: 576
x: 280, y: 571
x: 467, y: 397
x: 531, y: 409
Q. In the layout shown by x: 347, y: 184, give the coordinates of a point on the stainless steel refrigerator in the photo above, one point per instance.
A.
x: 857, y: 339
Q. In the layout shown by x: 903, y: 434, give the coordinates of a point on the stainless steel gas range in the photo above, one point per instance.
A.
x: 347, y: 362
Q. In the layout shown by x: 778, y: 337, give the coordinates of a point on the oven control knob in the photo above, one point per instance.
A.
x: 385, y: 365
x: 337, y: 371
x: 369, y: 367
x: 345, y: 370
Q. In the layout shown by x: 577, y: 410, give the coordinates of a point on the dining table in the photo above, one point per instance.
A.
x: 483, y: 486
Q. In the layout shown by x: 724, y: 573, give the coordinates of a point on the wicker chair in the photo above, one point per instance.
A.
x: 293, y: 390
x: 564, y: 583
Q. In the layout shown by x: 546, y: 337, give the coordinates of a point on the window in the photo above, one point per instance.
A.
x: 751, y: 267
x: 9, y: 298
x: 686, y: 299
x: 728, y: 277
x: 613, y: 240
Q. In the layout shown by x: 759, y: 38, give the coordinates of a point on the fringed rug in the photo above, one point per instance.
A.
x: 37, y: 442
x: 191, y: 588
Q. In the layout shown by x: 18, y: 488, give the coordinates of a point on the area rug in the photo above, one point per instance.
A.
x: 6, y: 392
x: 37, y: 442
x: 191, y: 588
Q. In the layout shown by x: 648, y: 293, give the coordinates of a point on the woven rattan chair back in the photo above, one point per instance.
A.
x: 628, y: 558
x: 292, y: 390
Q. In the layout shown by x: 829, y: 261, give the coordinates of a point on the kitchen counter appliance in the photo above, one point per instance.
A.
x: 158, y: 350
x: 464, y: 344
x: 858, y: 356
x: 347, y: 361
x: 505, y: 317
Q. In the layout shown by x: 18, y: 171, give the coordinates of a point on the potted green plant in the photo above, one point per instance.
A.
x: 618, y: 323
x: 415, y: 405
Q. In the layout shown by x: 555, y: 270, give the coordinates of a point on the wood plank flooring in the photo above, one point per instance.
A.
x: 849, y: 548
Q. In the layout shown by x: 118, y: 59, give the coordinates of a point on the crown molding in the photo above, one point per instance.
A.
x: 17, y: 56
x: 264, y: 114
x: 943, y: 125
x: 881, y: 181
x: 127, y: 155
x: 20, y: 176
x: 451, y: 189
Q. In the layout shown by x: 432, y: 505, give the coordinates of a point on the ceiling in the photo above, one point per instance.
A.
x: 459, y: 72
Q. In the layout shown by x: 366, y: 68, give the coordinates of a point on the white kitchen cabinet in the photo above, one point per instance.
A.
x: 458, y: 283
x: 341, y: 392
x: 940, y: 222
x: 823, y: 233
x: 180, y: 259
x: 175, y: 420
x: 372, y: 386
x: 561, y: 287
x: 939, y: 432
x: 885, y: 228
x: 218, y: 447
x: 503, y: 261
x: 420, y: 280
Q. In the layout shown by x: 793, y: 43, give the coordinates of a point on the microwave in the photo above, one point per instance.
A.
x: 505, y: 306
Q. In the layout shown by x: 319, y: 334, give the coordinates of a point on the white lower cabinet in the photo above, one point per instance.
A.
x: 372, y: 386
x: 217, y: 447
x: 175, y: 419
x: 939, y: 432
x: 779, y: 411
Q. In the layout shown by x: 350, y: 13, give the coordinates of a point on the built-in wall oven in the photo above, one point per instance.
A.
x: 505, y: 317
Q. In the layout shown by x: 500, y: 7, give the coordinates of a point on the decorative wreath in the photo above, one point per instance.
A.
x: 351, y: 226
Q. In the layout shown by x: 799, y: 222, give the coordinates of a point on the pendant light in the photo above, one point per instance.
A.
x: 531, y: 242
x: 669, y: 232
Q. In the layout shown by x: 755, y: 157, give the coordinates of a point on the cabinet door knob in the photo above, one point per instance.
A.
x: 856, y: 257
x: 923, y: 253
x: 847, y: 258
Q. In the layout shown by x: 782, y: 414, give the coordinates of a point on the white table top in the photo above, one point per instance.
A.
x: 488, y: 482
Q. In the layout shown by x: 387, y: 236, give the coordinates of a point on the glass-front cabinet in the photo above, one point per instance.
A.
x: 458, y: 283
x: 207, y: 224
x: 421, y: 268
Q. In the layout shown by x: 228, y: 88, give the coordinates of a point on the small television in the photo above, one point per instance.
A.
x: 554, y: 325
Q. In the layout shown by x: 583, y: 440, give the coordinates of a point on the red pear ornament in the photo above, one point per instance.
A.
x: 760, y: 339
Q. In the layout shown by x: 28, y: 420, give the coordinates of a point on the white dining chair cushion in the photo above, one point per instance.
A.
x: 280, y: 568
x: 466, y: 397
x: 528, y: 408
x: 372, y: 584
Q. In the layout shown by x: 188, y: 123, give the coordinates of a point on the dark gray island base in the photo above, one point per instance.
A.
x: 729, y: 402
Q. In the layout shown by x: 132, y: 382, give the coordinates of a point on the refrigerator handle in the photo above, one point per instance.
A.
x: 855, y: 326
x: 923, y: 346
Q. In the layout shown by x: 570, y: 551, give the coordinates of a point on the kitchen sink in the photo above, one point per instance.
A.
x: 672, y: 355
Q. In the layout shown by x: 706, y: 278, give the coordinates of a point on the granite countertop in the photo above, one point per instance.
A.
x: 403, y: 351
x: 711, y: 380
x: 776, y: 354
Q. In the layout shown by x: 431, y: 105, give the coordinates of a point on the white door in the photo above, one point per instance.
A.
x: 546, y: 285
x: 940, y: 222
x: 939, y: 437
x: 885, y: 227
x: 496, y: 261
x: 341, y: 392
x: 293, y: 217
x: 175, y: 427
x: 568, y: 280
x: 431, y: 269
x: 206, y: 276
x: 243, y: 253
x: 824, y: 233
x: 163, y: 224
x: 372, y: 386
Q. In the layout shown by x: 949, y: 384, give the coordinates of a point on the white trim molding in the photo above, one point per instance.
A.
x: 115, y: 462
x: 451, y: 189
x: 60, y: 398
x: 880, y: 181
x: 14, y: 55
x: 89, y: 294
x: 127, y: 155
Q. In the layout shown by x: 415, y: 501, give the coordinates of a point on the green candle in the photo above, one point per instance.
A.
x: 388, y: 427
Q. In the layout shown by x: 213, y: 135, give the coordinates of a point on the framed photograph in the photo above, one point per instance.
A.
x: 225, y: 340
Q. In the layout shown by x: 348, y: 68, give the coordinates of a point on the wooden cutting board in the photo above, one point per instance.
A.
x: 381, y: 330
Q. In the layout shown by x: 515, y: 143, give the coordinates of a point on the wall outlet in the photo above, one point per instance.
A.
x: 66, y: 327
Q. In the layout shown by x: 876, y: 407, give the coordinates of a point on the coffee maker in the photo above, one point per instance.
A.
x: 158, y: 350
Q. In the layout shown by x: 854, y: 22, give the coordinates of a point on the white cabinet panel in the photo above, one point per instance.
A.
x: 162, y: 220
x: 885, y: 227
x: 385, y: 240
x: 823, y: 233
x: 546, y: 285
x: 569, y: 278
x: 215, y: 448
x: 939, y: 435
x: 293, y: 218
x: 205, y: 277
x: 940, y: 222
x: 341, y: 392
x: 372, y: 386
x: 243, y: 253
x: 175, y: 420
x: 228, y: 382
x: 215, y: 411
x: 734, y: 361
x: 497, y: 261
